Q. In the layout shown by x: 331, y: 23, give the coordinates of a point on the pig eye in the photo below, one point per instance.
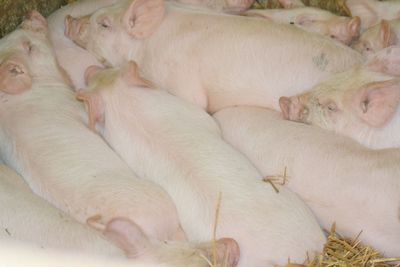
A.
x: 333, y: 36
x: 27, y: 45
x: 105, y: 23
x: 331, y: 106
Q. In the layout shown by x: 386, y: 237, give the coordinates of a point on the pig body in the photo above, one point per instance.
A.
x: 179, y: 146
x: 72, y: 58
x: 26, y: 217
x: 372, y: 12
x: 361, y: 103
x: 378, y: 37
x: 221, y: 62
x: 340, y: 180
x: 342, y: 29
x: 44, y: 137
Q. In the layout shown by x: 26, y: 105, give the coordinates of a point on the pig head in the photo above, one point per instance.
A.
x: 118, y: 24
x: 359, y: 103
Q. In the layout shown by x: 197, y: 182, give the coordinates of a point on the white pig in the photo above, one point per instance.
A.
x: 179, y: 146
x: 72, y: 58
x: 340, y: 180
x: 59, y: 158
x: 339, y: 28
x: 360, y: 103
x: 230, y: 6
x: 26, y: 217
x: 372, y: 12
x: 378, y: 37
x: 212, y: 60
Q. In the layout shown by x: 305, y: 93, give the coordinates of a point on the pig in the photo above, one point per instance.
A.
x: 220, y: 61
x: 73, y: 59
x: 339, y: 28
x: 362, y: 103
x: 178, y: 145
x: 372, y: 12
x: 26, y: 217
x: 291, y: 3
x: 229, y: 6
x: 378, y: 37
x: 63, y: 161
x: 340, y: 180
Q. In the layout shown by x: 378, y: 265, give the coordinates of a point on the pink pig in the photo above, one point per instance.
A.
x: 342, y: 29
x: 378, y: 37
x: 372, y: 12
x: 362, y: 103
x: 179, y: 146
x: 340, y: 180
x: 209, y: 59
x: 70, y: 166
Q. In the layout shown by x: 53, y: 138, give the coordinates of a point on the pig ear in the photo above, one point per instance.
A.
x: 94, y: 105
x: 354, y: 26
x: 386, y: 61
x: 131, y: 75
x: 90, y: 72
x: 386, y: 34
x: 14, y: 77
x: 34, y: 21
x: 143, y: 17
x: 128, y: 236
x: 377, y: 102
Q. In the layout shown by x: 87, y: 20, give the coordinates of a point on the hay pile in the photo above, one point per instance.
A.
x: 345, y: 252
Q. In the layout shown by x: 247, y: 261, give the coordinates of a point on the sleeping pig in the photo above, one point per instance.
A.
x: 340, y: 180
x: 179, y: 146
x: 342, y: 29
x: 362, y: 103
x: 209, y: 59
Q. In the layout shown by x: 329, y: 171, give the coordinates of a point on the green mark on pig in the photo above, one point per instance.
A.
x: 320, y: 61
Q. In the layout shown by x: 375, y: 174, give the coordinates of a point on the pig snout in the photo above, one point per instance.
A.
x: 227, y: 252
x: 77, y: 30
x: 293, y: 109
